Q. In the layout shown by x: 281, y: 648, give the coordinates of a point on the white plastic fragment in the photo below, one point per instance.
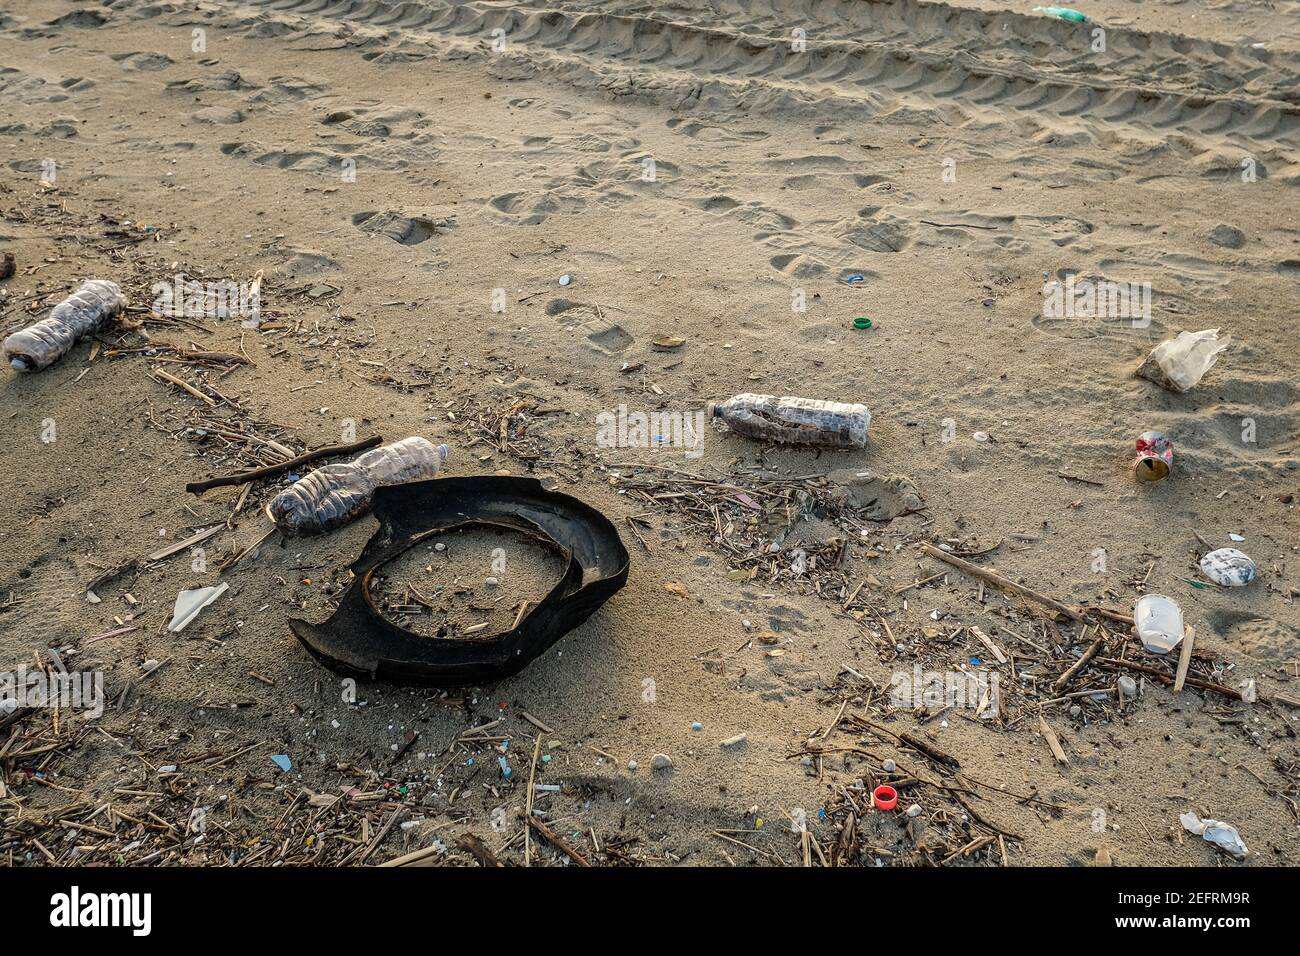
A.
x: 1179, y: 363
x: 1159, y: 623
x: 190, y: 603
x: 1221, y: 834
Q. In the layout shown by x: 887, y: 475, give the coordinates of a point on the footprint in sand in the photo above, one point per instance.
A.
x: 395, y: 57
x: 1139, y: 329
x: 52, y: 592
x: 31, y: 90
x: 226, y: 81
x: 882, y: 232
x: 271, y: 29
x: 64, y: 127
x: 403, y: 229
x: 144, y: 62
x: 797, y: 265
x: 219, y: 116
x: 532, y: 208
x: 714, y: 134
x: 303, y: 263
x: 1262, y: 638
x: 286, y: 92
x: 310, y: 161
x: 582, y: 143
x: 85, y: 19
x: 606, y: 337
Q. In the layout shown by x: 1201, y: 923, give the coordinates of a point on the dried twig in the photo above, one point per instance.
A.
x: 1005, y: 583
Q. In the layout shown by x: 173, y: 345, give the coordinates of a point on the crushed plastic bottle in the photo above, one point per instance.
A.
x: 332, y: 496
x: 1221, y: 834
x: 795, y: 421
x: 1159, y: 623
x: 1179, y: 363
x: 87, y: 310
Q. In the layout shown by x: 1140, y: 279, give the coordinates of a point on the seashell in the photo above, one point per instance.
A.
x: 1228, y: 567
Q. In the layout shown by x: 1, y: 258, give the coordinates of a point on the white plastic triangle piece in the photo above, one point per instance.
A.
x: 190, y: 603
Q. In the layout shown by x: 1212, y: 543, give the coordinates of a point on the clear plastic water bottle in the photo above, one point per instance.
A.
x: 330, y: 497
x: 87, y: 310
x: 795, y: 421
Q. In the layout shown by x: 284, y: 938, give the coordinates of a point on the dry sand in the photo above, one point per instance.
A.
x: 695, y: 177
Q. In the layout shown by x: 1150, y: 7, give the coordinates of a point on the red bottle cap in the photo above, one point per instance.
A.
x: 884, y: 797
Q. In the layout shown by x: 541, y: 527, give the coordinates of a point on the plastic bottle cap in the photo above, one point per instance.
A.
x: 884, y: 797
x: 862, y: 322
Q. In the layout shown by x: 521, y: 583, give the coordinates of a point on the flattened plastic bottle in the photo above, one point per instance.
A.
x: 332, y: 496
x: 795, y: 421
x: 87, y: 310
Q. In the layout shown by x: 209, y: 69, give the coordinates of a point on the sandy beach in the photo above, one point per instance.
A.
x: 503, y: 227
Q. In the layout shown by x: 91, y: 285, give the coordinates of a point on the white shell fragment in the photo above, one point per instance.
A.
x: 1228, y: 567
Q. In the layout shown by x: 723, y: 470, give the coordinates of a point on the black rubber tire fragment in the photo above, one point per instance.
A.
x: 358, y: 640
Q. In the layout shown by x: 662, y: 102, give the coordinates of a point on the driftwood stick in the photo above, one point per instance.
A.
x: 988, y: 642
x: 844, y: 849
x: 202, y: 356
x: 1184, y: 658
x: 929, y: 749
x: 136, y: 564
x: 916, y: 743
x: 415, y: 857
x: 184, y: 386
x: 231, y: 562
x: 383, y: 832
x: 984, y: 822
x: 1005, y: 583
x: 558, y: 842
x: 1109, y: 614
x: 1078, y: 665
x: 1053, y: 741
x: 269, y: 471
x: 478, y: 850
x: 1167, y: 680
x: 16, y: 716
